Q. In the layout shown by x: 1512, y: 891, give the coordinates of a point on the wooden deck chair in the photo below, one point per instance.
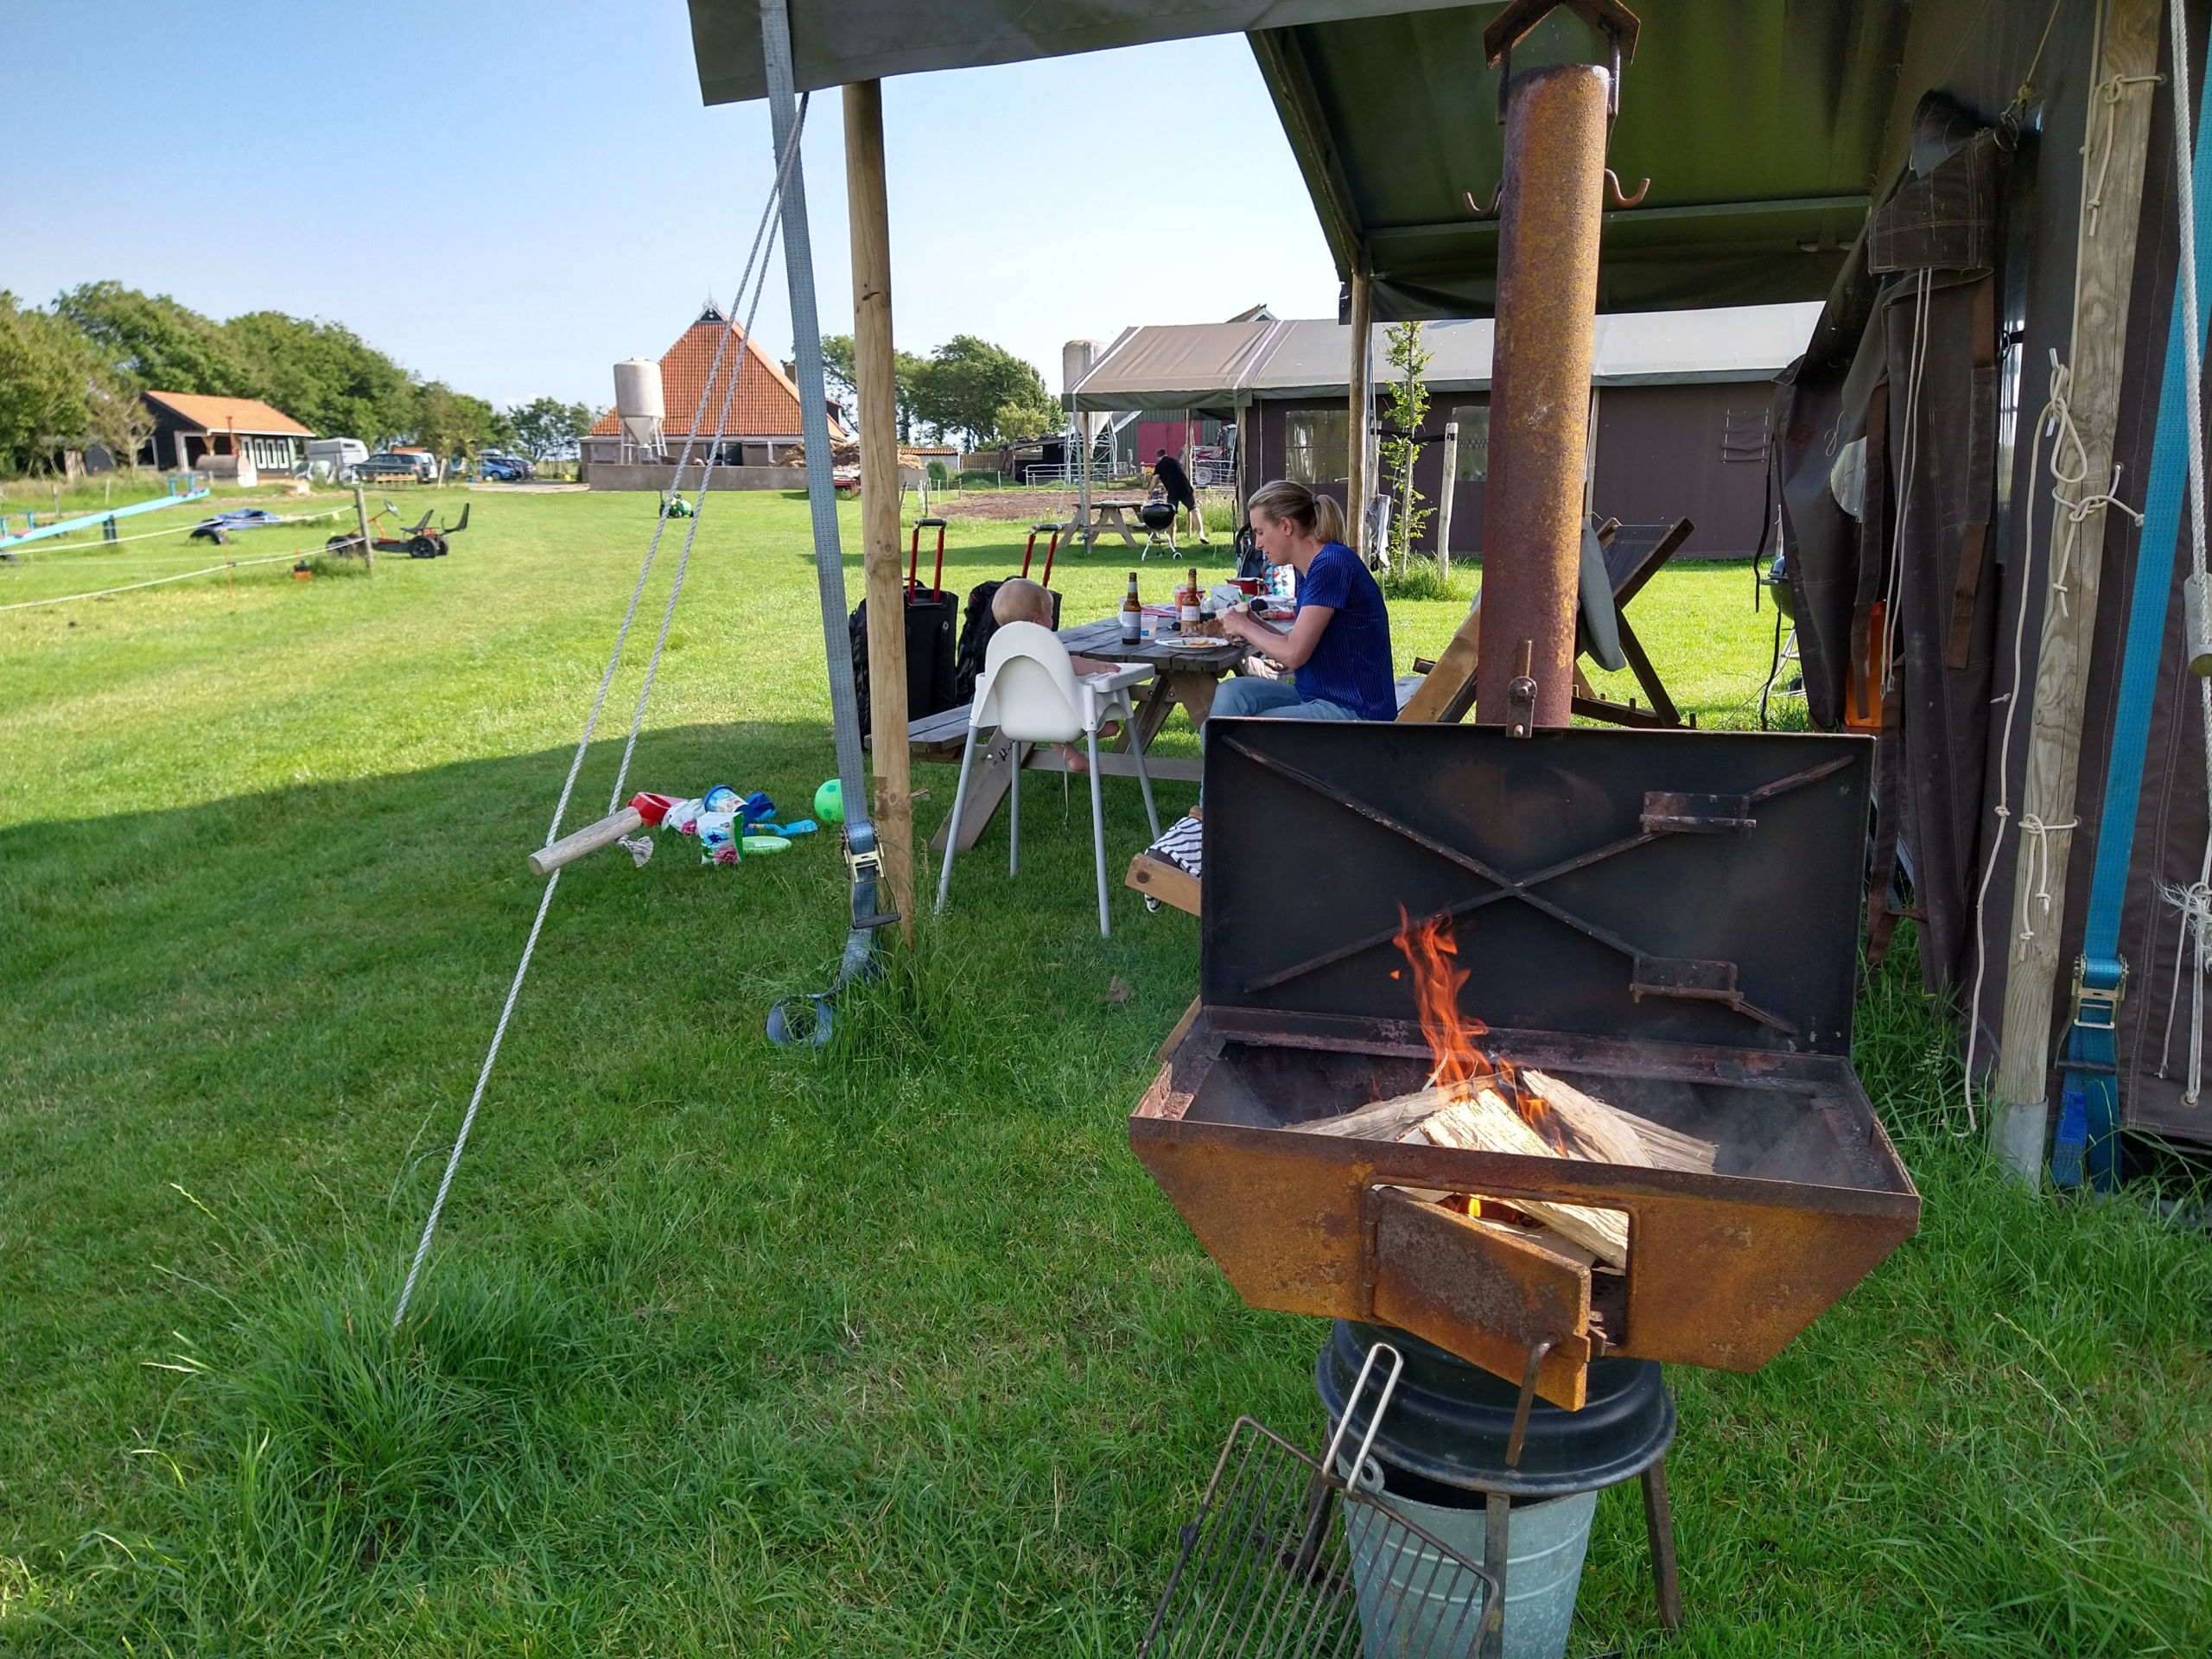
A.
x: 1634, y: 553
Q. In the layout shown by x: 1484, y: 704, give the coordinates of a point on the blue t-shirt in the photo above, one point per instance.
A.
x: 1351, y: 662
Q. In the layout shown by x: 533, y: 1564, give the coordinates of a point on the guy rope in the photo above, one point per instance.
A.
x: 781, y: 196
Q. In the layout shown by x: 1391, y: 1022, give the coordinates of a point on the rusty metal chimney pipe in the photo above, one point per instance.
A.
x: 1540, y: 385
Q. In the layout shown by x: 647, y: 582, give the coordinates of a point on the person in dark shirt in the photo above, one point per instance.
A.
x: 1338, y: 645
x: 1176, y: 483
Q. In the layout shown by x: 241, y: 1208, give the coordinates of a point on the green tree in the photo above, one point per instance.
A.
x: 546, y: 427
x: 839, y: 369
x: 323, y: 375
x: 450, y: 422
x: 1407, y: 406
x: 45, y: 372
x: 966, y: 382
x: 153, y: 342
x: 116, y: 417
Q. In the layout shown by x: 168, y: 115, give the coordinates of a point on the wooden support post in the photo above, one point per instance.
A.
x: 876, y: 373
x: 2104, y: 271
x: 1360, y: 405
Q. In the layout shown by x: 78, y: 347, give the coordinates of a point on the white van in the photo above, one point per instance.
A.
x: 336, y: 457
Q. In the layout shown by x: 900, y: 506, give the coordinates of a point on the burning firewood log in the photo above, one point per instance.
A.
x: 1601, y: 1132
x: 1486, y: 1123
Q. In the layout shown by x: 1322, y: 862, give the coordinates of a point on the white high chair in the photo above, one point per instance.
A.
x: 1030, y: 690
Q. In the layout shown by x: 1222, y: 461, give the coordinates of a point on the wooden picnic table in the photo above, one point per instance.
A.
x: 1185, y: 670
x: 1107, y: 513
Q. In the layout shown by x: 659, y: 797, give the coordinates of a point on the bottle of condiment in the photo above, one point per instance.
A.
x: 1187, y: 604
x: 1131, y: 613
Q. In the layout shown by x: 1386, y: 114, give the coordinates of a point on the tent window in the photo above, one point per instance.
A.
x: 1474, y: 443
x: 1743, y: 435
x: 1317, y: 448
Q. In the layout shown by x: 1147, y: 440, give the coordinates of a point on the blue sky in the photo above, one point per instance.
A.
x: 511, y: 198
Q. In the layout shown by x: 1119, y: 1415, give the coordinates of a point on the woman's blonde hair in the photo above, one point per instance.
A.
x: 1318, y: 516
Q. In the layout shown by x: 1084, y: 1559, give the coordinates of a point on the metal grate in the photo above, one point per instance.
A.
x: 1284, y: 1557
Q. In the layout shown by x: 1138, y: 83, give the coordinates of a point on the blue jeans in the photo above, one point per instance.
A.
x: 1247, y: 695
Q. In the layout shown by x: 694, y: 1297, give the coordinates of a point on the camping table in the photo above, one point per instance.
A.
x: 1104, y: 516
x: 1184, y: 670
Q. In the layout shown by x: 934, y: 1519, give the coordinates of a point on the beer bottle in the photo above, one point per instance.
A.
x: 1131, y: 613
x: 1187, y: 604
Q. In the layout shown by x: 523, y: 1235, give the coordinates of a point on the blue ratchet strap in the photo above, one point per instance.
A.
x: 2089, y: 1103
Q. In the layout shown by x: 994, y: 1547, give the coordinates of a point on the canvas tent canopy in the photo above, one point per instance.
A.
x: 1220, y: 364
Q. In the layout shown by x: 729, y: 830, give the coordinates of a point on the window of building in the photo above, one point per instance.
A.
x: 1316, y: 446
x: 1474, y: 443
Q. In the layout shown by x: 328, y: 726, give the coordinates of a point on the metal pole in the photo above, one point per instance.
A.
x: 1449, y: 488
x: 1540, y: 388
x: 814, y: 428
x: 1360, y: 402
x: 876, y: 369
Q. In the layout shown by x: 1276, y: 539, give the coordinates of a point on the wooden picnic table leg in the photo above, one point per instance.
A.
x: 986, y: 789
x: 1162, y: 693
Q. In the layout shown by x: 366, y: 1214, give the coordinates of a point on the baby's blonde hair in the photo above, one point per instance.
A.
x: 1019, y: 600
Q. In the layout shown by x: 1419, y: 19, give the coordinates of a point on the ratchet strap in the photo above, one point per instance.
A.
x: 2087, y: 1141
x: 807, y: 1018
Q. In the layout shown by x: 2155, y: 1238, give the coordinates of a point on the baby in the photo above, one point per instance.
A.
x: 1019, y: 600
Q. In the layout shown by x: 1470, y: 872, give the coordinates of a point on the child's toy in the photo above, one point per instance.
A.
x: 766, y: 844
x: 829, y: 802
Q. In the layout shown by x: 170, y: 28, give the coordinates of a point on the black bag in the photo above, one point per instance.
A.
x: 977, y: 624
x: 929, y: 656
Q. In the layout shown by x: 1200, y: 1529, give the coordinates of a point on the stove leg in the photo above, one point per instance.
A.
x: 1659, y: 1524
x: 1489, y: 1642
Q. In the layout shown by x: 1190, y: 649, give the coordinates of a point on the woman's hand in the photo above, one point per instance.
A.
x: 1291, y: 649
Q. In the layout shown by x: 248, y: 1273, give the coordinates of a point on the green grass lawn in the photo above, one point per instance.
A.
x: 888, y: 1348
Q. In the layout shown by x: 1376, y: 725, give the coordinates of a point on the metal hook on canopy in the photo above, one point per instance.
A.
x: 1613, y: 184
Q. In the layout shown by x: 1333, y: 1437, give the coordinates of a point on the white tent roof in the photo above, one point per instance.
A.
x: 1208, y: 364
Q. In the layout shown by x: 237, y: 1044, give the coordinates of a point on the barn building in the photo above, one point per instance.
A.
x: 761, y: 423
x: 1682, y: 400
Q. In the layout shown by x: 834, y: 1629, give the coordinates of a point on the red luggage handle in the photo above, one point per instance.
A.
x: 1051, y: 548
x: 914, y: 560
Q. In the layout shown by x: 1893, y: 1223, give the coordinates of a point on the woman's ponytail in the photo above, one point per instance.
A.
x: 1318, y: 516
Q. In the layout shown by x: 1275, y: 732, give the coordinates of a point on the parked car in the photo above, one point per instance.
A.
x: 504, y: 469
x: 419, y: 468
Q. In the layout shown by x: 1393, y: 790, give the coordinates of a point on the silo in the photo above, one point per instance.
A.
x: 1077, y: 359
x: 638, y: 404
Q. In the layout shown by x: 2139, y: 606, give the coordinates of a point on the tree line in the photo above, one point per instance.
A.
x: 967, y: 389
x: 71, y: 374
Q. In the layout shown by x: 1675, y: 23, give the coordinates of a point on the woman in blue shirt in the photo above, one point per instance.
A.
x: 1338, y: 644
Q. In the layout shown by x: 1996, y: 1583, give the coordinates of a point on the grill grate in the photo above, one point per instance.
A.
x: 1286, y: 1558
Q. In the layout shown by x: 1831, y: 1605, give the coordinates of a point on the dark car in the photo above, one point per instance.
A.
x: 417, y: 468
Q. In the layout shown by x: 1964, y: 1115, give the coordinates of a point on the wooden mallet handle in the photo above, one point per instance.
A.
x: 590, y: 839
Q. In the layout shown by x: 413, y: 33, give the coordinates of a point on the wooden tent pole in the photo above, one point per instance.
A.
x: 2104, y: 270
x: 1360, y: 404
x: 875, y: 373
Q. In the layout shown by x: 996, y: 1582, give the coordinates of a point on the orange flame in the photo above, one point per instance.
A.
x: 1461, y: 1070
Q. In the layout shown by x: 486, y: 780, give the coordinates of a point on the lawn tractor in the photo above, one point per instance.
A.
x: 417, y: 541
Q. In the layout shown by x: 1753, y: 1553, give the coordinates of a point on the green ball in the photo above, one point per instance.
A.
x: 829, y: 802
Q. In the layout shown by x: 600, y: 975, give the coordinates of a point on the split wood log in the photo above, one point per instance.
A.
x: 1624, y: 1137
x: 1486, y: 1123
x: 1596, y: 1130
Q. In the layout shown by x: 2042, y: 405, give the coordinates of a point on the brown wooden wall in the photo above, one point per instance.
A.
x: 1660, y: 458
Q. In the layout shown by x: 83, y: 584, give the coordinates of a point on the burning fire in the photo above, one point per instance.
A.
x: 1461, y: 1070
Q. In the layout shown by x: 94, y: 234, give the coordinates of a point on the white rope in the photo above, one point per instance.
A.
x: 763, y: 239
x: 68, y: 544
x: 132, y: 586
x: 2193, y: 902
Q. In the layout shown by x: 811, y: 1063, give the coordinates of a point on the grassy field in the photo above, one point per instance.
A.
x: 888, y: 1348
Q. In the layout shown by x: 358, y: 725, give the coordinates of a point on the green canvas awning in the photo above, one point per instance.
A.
x: 1767, y: 127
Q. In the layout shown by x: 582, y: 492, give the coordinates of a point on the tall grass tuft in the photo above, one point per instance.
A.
x: 1417, y: 577
x: 331, y: 1446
